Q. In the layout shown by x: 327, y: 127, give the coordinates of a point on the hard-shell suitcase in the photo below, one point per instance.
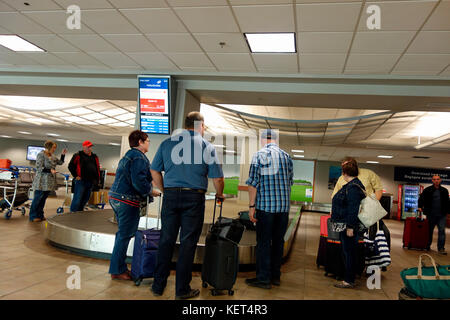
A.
x: 221, y: 257
x: 321, y: 252
x: 145, y: 251
x: 415, y: 233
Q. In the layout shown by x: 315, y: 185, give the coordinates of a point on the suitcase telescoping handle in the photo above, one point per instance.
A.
x: 217, y: 202
x: 159, y: 212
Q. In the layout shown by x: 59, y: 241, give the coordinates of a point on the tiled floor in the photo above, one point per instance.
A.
x: 32, y: 269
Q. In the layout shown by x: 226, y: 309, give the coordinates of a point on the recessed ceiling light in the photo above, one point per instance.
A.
x: 114, y: 144
x: 53, y: 134
x: 24, y: 132
x: 372, y: 162
x: 62, y: 140
x: 3, y: 136
x: 271, y: 42
x: 299, y: 156
x: 17, y: 43
x: 385, y: 157
x: 298, y: 150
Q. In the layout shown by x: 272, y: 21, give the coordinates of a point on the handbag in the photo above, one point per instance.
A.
x: 334, y: 228
x: 377, y: 251
x: 370, y: 210
x: 428, y: 282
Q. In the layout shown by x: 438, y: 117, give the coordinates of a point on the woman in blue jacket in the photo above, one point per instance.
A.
x: 345, y: 209
x: 132, y: 185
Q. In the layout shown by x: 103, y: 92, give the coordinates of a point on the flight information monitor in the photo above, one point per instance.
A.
x: 154, y: 104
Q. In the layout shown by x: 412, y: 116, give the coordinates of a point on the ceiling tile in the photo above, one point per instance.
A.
x: 258, y: 2
x: 440, y: 19
x: 192, y: 60
x: 154, y: 20
x: 234, y: 42
x: 196, y: 3
x: 331, y: 71
x: 324, y: 42
x: 381, y: 41
x: 17, y: 59
x: 130, y: 42
x: 155, y: 61
x: 56, y: 21
x: 208, y: 19
x: 174, y: 42
x: 91, y: 43
x: 199, y: 69
x: 322, y: 61
x: 423, y: 62
x: 282, y: 62
x: 331, y: 17
x: 446, y: 72
x: 113, y: 59
x: 432, y: 42
x: 371, y: 62
x: 241, y: 62
x: 18, y: 23
x: 85, y: 4
x: 399, y: 15
x: 121, y: 4
x: 107, y: 21
x: 78, y: 58
x: 35, y: 5
x: 276, y: 18
x: 50, y: 43
x: 5, y: 8
x: 45, y: 58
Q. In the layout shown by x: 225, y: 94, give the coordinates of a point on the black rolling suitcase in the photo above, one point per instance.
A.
x: 221, y: 257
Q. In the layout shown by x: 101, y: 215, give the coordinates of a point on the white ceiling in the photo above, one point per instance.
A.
x: 184, y: 35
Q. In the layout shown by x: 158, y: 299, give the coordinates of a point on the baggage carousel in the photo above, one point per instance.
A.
x: 92, y: 233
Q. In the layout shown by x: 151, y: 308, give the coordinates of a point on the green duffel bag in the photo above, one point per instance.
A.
x: 428, y: 282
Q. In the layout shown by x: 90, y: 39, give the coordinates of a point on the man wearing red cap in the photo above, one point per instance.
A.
x: 85, y: 169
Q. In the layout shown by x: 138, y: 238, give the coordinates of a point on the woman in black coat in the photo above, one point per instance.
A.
x: 345, y: 209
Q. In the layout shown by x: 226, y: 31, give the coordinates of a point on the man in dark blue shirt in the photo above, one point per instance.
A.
x: 188, y: 161
x: 434, y: 202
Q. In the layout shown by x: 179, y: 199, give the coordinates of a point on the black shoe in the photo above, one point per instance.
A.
x: 442, y: 251
x: 191, y: 294
x: 256, y: 283
x: 276, y: 282
x: 156, y: 293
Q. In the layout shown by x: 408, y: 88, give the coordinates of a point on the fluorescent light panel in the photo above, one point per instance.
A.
x: 271, y: 42
x: 24, y: 132
x: 372, y: 161
x: 298, y: 156
x: 298, y: 150
x: 385, y: 157
x: 17, y: 43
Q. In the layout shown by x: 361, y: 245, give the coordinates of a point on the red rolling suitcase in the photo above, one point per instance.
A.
x: 415, y: 233
x: 321, y: 252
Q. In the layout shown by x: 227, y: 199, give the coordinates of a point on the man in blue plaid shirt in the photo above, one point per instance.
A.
x: 269, y: 187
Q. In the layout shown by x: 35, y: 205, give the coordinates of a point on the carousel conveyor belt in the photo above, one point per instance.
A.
x: 92, y: 233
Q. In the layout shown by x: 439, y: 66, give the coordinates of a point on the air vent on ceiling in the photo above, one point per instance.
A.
x: 421, y: 157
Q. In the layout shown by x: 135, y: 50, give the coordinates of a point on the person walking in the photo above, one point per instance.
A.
x: 187, y: 165
x: 269, y: 188
x: 434, y: 203
x: 131, y: 187
x: 85, y: 169
x: 45, y: 179
x: 345, y: 208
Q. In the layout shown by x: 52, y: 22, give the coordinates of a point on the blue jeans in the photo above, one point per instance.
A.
x: 349, y: 250
x: 270, y: 230
x: 185, y: 209
x: 81, y: 195
x: 440, y: 222
x: 128, y: 220
x: 38, y: 204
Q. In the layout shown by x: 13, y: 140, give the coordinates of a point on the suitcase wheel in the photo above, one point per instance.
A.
x: 137, y: 282
x: 60, y: 210
x: 204, y: 285
x: 230, y: 292
x: 214, y: 292
x: 8, y: 214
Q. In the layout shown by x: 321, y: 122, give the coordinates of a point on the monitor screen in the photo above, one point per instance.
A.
x: 32, y: 152
x: 154, y: 104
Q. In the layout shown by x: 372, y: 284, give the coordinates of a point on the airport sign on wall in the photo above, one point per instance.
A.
x: 154, y: 104
x: 420, y: 175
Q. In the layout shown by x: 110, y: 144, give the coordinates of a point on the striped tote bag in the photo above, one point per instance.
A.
x: 377, y: 251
